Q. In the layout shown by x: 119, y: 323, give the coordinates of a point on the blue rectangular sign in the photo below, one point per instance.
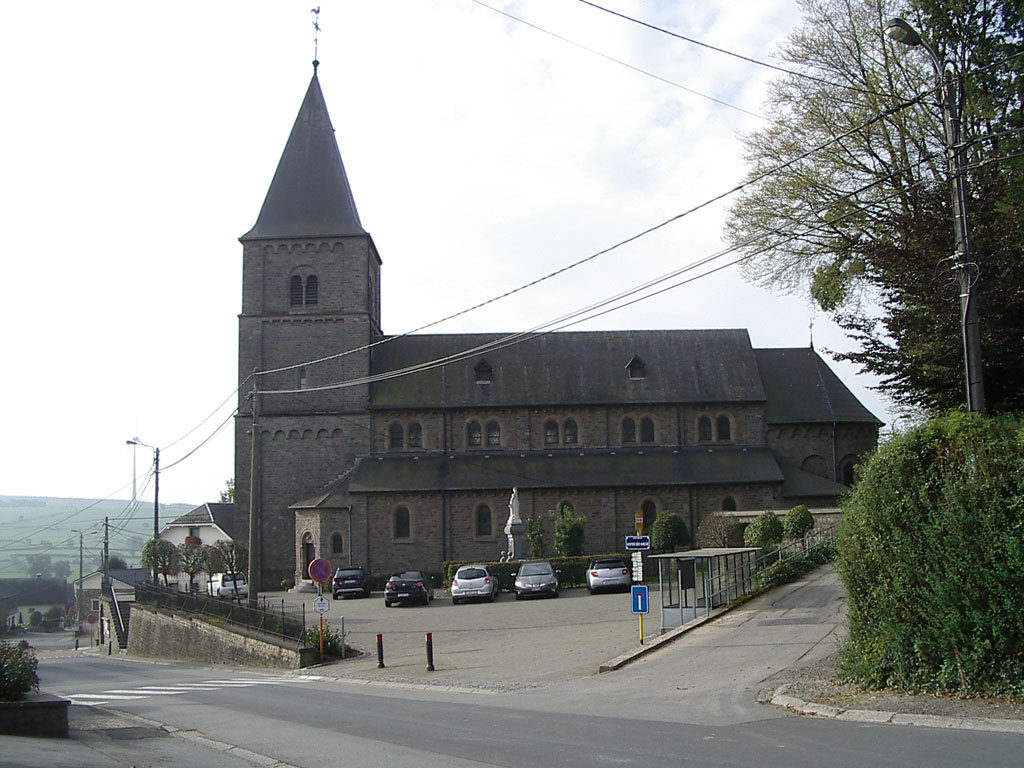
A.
x: 637, y: 543
x: 638, y: 596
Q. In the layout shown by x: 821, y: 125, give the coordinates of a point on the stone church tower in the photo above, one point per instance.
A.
x: 310, y: 292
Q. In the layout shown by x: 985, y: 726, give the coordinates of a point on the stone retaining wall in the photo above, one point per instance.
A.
x: 39, y: 714
x: 167, y: 635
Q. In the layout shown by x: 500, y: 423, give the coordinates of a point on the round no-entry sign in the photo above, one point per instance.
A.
x: 320, y: 570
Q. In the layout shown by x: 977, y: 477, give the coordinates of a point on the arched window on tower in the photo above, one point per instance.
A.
x: 724, y: 428
x: 571, y: 434
x: 728, y: 504
x: 474, y: 435
x: 295, y: 291
x: 415, y: 435
x: 646, y: 431
x: 494, y: 434
x: 337, y: 544
x: 628, y: 431
x: 312, y: 290
x: 396, y: 437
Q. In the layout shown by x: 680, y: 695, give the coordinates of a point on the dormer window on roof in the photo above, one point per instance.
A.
x: 636, y: 367
x: 484, y: 372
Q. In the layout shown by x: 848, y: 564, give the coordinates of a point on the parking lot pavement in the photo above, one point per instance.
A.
x: 504, y: 645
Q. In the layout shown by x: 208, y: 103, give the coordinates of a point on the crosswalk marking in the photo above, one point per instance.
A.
x: 142, y: 691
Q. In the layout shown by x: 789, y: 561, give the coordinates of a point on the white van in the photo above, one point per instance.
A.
x: 229, y: 585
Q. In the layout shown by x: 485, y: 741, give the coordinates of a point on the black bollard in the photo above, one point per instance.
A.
x: 380, y: 651
x: 430, y: 652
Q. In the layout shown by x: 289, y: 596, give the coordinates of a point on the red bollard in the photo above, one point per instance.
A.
x: 430, y: 652
x: 380, y: 651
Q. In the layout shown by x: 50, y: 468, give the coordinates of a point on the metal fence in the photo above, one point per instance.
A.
x: 264, y: 618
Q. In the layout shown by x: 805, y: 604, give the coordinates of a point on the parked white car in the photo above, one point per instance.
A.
x: 473, y: 581
x: 229, y: 585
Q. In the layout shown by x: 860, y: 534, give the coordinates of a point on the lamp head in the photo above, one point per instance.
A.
x: 901, y: 32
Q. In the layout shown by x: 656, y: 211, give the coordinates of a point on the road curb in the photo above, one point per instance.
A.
x: 782, y: 700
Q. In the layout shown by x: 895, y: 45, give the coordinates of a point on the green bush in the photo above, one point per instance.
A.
x: 668, y: 531
x: 931, y: 550
x: 798, y: 522
x: 535, y: 535
x: 332, y: 640
x: 35, y: 618
x: 569, y: 530
x: 764, y: 531
x: 17, y: 670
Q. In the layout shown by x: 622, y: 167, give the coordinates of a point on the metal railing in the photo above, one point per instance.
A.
x: 746, y: 578
x: 262, y: 619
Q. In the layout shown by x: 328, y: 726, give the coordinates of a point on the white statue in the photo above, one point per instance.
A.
x: 513, y: 509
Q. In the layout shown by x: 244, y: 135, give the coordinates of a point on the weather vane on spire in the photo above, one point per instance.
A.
x: 316, y: 34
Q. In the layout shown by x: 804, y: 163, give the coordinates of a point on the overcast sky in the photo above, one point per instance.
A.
x: 483, y: 153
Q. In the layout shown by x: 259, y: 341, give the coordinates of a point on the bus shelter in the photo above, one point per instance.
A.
x: 693, y: 583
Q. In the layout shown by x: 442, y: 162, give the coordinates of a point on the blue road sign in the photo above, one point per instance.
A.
x: 320, y: 570
x: 638, y: 596
x: 637, y: 543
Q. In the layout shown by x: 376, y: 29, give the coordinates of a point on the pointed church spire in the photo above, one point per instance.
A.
x: 310, y: 195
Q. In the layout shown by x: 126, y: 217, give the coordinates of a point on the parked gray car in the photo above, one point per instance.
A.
x: 538, y: 578
x: 608, y: 573
x: 473, y: 581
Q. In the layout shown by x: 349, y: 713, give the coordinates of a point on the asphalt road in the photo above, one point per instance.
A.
x: 497, y: 699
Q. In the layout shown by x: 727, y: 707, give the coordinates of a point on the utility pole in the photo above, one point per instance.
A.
x: 255, y: 585
x: 106, y: 547
x: 156, y: 495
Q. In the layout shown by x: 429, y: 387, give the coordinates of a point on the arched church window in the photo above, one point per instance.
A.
x: 483, y: 522
x: 551, y: 432
x: 728, y: 504
x: 647, y: 430
x: 571, y: 434
x: 494, y: 434
x: 704, y: 429
x: 337, y: 544
x: 312, y: 290
x: 402, y: 523
x: 415, y: 435
x: 724, y: 428
x: 474, y: 435
x: 650, y: 512
x: 396, y: 437
x: 295, y: 291
x: 628, y: 431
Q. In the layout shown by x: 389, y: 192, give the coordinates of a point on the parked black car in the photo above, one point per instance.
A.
x: 350, y: 581
x: 408, y: 587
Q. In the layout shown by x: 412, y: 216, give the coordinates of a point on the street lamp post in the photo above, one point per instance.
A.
x: 156, y: 490
x: 900, y: 31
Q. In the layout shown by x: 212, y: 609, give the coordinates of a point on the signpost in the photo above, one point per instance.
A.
x: 320, y: 571
x: 638, y: 521
x: 634, y: 543
x: 639, y: 604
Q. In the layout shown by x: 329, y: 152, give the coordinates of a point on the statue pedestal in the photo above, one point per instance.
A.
x: 516, y: 533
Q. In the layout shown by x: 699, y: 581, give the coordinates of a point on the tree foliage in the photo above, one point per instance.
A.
x: 798, y: 522
x: 232, y: 556
x: 668, y: 531
x: 716, y: 530
x: 116, y: 562
x: 931, y: 550
x: 569, y: 531
x: 228, y: 494
x: 192, y: 559
x: 161, y: 556
x: 763, y: 531
x: 18, y: 667
x: 849, y: 192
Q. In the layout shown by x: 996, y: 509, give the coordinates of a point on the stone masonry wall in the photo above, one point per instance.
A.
x: 158, y: 634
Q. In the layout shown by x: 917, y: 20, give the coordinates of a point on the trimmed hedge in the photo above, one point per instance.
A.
x: 931, y: 550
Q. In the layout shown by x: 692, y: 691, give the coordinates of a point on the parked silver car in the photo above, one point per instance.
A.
x: 473, y: 581
x: 609, y: 573
x: 536, y: 579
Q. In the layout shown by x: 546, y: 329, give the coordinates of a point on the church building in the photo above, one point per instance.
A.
x: 402, y: 452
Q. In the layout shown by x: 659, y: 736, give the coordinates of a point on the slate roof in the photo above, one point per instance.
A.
x: 801, y: 388
x: 799, y: 483
x: 211, y: 513
x: 28, y: 591
x: 561, y: 469
x: 310, y: 194
x: 680, y: 366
